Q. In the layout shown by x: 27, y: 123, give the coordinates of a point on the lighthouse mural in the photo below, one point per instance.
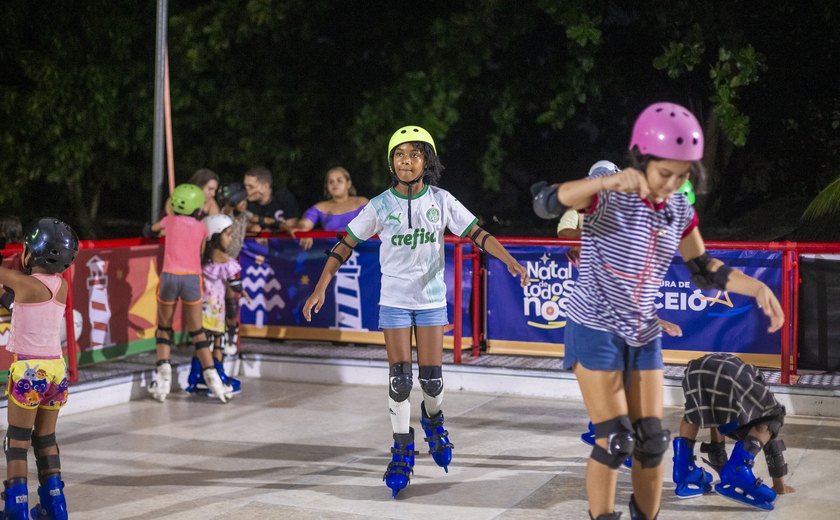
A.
x: 348, y: 295
x: 99, y: 312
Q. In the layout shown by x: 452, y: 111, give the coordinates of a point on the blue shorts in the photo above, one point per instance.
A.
x: 396, y: 318
x: 599, y: 350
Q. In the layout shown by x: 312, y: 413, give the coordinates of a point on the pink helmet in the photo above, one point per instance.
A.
x: 668, y: 131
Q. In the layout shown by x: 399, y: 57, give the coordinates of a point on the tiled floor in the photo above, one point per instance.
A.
x: 308, y: 451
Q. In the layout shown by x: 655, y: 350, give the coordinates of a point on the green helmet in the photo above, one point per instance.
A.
x: 408, y: 134
x: 186, y: 199
x: 688, y: 189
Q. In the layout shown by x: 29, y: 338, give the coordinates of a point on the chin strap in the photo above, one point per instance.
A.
x: 410, y: 185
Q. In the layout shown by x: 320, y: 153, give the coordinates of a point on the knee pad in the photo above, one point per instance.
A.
x: 401, y: 382
x: 200, y: 344
x: 43, y: 461
x: 431, y: 380
x: 231, y: 308
x: 166, y: 337
x: 775, y: 458
x: 620, y: 441
x: 16, y: 433
x: 651, y: 441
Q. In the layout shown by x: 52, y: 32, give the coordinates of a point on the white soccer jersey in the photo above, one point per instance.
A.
x: 411, y: 260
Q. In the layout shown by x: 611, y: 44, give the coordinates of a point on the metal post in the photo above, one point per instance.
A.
x: 157, y: 154
x: 459, y: 274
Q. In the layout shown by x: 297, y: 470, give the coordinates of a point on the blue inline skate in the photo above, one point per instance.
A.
x: 738, y: 482
x: 196, y: 382
x: 53, y: 505
x: 398, y: 474
x: 691, y: 481
x: 438, y: 438
x: 16, y: 499
x: 588, y: 437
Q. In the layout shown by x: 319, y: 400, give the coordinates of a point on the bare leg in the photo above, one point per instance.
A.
x: 22, y: 418
x: 45, y: 425
x: 645, y: 400
x: 690, y: 431
x: 192, y: 319
x: 165, y: 313
x: 429, y: 345
x: 604, y: 397
x: 398, y: 345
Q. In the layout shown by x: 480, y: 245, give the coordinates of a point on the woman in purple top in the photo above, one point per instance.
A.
x: 337, y: 211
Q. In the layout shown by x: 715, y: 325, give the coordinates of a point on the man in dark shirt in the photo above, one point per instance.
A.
x: 276, y: 211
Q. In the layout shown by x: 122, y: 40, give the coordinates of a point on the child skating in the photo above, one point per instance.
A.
x: 410, y: 219
x: 730, y: 396
x: 632, y: 228
x: 221, y: 282
x: 37, y: 384
x: 181, y: 279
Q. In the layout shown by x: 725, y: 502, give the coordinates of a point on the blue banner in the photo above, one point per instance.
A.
x: 712, y: 321
x: 278, y: 277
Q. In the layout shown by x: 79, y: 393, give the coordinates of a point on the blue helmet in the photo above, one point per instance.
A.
x: 52, y: 244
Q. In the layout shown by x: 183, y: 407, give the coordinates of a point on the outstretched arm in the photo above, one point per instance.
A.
x: 488, y: 243
x: 339, y: 254
x: 711, y: 273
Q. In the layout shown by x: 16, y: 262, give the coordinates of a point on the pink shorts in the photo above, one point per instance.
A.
x: 38, y: 383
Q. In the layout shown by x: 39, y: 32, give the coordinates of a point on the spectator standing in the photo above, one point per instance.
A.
x: 272, y: 211
x: 342, y: 206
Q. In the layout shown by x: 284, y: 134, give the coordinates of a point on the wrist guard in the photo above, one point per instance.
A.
x: 705, y: 279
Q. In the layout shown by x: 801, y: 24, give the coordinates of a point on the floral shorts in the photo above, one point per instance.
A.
x: 38, y: 383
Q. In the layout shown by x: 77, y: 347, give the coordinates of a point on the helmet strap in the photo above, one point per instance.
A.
x: 410, y: 185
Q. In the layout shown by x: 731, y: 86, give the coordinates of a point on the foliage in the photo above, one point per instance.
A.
x: 512, y: 92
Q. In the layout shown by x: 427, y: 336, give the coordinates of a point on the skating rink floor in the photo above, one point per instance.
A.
x: 286, y: 450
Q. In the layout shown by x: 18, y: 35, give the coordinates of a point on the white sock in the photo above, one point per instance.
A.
x: 400, y: 414
x: 433, y: 404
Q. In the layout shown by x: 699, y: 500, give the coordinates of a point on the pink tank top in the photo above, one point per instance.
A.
x: 35, y: 326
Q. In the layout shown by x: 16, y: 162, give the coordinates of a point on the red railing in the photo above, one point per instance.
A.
x: 790, y: 286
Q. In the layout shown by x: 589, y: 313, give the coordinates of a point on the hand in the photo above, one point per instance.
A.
x: 305, y: 243
x: 573, y: 254
x: 671, y: 329
x: 147, y: 231
x: 768, y: 303
x: 316, y: 300
x: 517, y: 269
x: 781, y: 488
x: 628, y: 180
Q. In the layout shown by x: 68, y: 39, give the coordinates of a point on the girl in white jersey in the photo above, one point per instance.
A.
x: 37, y: 384
x: 632, y: 228
x: 410, y: 219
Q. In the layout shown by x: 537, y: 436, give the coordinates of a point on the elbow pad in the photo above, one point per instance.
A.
x: 334, y: 252
x: 545, y: 202
x: 479, y: 237
x: 705, y: 279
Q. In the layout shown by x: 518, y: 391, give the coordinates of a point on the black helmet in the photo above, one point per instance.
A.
x: 231, y: 195
x: 52, y: 243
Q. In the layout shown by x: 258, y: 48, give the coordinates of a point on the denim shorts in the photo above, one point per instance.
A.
x: 599, y: 350
x: 396, y: 318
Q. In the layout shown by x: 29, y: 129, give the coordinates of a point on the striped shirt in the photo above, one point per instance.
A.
x: 628, y: 245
